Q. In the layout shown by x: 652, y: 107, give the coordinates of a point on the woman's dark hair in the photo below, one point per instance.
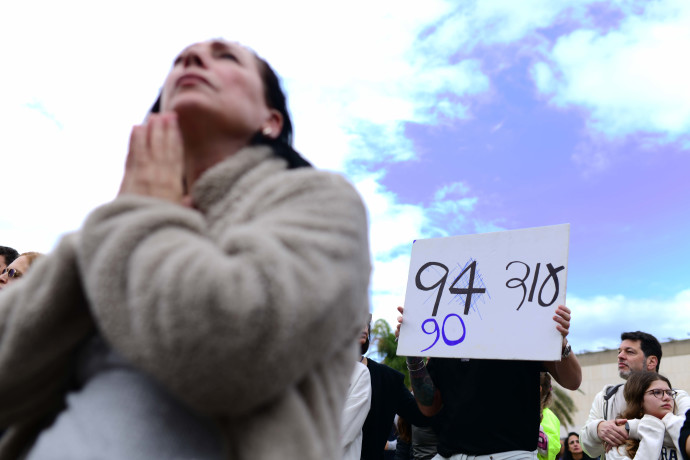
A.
x: 275, y: 97
x: 404, y: 429
x: 545, y: 384
x: 567, y: 454
x: 636, y: 386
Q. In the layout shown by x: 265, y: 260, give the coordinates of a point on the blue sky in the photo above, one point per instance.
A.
x: 451, y: 118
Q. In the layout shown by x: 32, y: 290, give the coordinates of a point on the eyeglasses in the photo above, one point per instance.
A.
x: 660, y: 393
x: 11, y: 273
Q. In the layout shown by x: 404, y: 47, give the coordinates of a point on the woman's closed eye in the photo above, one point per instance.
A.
x: 227, y: 55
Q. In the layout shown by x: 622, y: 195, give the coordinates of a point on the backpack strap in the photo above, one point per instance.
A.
x: 610, y: 391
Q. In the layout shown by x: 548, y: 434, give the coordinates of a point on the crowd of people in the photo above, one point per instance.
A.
x: 644, y: 418
x: 215, y: 309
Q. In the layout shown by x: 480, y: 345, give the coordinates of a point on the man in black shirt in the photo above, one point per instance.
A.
x: 491, y: 407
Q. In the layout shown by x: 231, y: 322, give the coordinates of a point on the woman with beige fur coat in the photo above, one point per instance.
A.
x: 212, y: 309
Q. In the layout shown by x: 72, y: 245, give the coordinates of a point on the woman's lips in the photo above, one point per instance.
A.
x: 191, y: 79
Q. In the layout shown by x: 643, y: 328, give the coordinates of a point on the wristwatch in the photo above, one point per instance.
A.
x: 565, y: 352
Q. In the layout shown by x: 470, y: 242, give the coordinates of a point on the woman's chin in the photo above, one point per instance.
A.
x: 661, y: 413
x: 192, y: 103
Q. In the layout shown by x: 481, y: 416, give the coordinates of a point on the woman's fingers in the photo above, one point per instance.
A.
x: 157, y: 137
x: 137, y: 147
x: 173, y: 142
x: 154, y: 164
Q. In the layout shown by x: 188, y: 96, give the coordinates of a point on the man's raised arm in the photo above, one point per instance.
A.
x: 427, y: 395
x: 567, y: 372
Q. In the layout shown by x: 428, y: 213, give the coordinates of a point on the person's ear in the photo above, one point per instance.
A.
x: 273, y: 124
x: 652, y: 363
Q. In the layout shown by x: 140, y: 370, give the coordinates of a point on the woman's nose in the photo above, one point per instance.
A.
x: 193, y: 58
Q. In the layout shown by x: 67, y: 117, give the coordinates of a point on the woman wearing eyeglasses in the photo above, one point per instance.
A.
x: 212, y: 309
x: 650, y: 397
x: 17, y: 268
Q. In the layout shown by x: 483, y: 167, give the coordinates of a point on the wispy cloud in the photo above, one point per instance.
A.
x: 599, y: 321
x: 481, y: 23
x: 628, y: 80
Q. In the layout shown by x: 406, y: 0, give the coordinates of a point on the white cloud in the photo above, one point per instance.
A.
x: 54, y: 175
x: 497, y: 22
x: 599, y: 321
x: 393, y: 224
x: 629, y: 80
x: 370, y: 95
x: 450, y: 190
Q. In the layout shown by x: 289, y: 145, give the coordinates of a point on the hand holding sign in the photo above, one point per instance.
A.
x: 489, y: 296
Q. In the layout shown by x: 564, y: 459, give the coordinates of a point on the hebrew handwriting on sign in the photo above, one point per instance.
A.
x: 553, y: 275
x: 465, y: 285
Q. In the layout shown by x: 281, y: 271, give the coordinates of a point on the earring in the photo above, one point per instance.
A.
x: 266, y: 131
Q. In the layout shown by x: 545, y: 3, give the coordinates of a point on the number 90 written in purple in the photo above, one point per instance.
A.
x: 442, y: 332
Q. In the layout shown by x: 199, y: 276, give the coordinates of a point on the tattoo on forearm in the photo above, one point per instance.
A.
x: 422, y: 386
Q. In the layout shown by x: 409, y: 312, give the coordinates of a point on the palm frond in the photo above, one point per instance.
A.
x: 383, y: 337
x: 563, y: 406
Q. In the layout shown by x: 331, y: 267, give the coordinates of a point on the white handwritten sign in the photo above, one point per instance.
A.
x: 489, y: 296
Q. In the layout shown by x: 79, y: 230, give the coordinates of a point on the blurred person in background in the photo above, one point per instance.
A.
x: 573, y: 449
x: 357, y: 405
x: 18, y: 268
x: 389, y: 396
x: 403, y: 444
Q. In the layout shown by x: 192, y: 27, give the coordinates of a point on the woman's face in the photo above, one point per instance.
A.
x: 20, y: 266
x: 574, y: 444
x: 219, y: 82
x: 364, y: 336
x: 657, y: 407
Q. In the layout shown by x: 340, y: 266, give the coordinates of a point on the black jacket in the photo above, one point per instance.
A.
x: 389, y: 396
